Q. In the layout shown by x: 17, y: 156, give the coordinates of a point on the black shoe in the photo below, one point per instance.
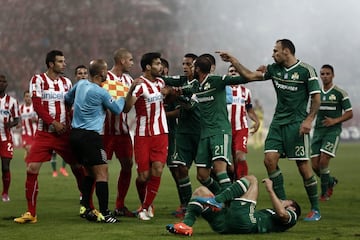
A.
x: 93, y: 215
x: 109, y: 218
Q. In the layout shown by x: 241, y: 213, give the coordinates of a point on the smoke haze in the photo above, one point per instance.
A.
x: 323, y: 31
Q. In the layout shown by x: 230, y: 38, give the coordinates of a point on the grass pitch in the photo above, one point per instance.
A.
x: 58, y: 205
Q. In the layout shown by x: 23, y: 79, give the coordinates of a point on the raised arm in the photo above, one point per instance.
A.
x: 246, y: 73
x: 175, y: 81
x: 276, y: 202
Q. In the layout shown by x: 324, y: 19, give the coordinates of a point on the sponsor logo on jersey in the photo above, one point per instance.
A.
x: 27, y: 115
x: 205, y: 99
x: 4, y: 112
x: 327, y: 108
x: 238, y: 100
x: 285, y: 87
x: 155, y: 98
x: 52, y: 96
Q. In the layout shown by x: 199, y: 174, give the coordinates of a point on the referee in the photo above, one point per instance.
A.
x: 90, y: 102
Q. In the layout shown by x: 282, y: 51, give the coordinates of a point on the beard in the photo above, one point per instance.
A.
x: 155, y: 74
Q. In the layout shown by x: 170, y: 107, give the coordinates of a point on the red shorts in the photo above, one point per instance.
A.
x: 6, y: 149
x: 121, y: 145
x: 239, y: 140
x: 45, y: 143
x: 27, y: 140
x: 150, y: 149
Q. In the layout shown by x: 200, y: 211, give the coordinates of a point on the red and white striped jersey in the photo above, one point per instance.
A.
x: 9, y: 109
x: 117, y: 124
x: 149, y: 107
x: 237, y: 112
x: 29, y: 120
x: 52, y: 94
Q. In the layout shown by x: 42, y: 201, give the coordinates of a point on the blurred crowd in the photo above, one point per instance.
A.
x: 83, y: 30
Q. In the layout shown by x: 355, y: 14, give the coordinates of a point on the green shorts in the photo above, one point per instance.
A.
x: 217, y: 147
x: 185, y: 149
x: 325, y: 141
x: 286, y: 140
x: 240, y: 216
x: 237, y: 218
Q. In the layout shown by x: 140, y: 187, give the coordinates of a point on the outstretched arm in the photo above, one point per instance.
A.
x: 246, y: 73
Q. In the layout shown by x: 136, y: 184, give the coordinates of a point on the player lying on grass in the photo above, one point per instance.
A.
x: 238, y: 216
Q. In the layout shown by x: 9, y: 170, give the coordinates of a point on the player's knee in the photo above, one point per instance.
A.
x: 240, y: 156
x: 33, y: 168
x: 156, y: 170
x: 202, y: 178
x: 126, y: 163
x: 202, y: 191
x: 270, y: 164
x: 183, y: 171
x: 251, y: 179
x: 142, y: 178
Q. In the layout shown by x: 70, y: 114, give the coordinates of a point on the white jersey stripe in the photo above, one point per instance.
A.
x: 9, y: 109
x: 237, y: 112
x: 52, y: 94
x: 149, y: 107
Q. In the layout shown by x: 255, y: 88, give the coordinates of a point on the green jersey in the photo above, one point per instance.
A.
x: 242, y: 220
x: 172, y: 125
x: 333, y: 103
x: 212, y: 104
x: 189, y: 119
x: 170, y: 106
x: 293, y: 87
x: 268, y: 221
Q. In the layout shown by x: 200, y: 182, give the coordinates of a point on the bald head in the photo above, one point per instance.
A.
x: 123, y: 61
x: 98, y: 67
x: 120, y: 54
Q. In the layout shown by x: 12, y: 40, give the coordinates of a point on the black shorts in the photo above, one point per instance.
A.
x: 87, y: 147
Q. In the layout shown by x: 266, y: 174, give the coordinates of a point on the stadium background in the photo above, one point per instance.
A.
x: 323, y: 32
